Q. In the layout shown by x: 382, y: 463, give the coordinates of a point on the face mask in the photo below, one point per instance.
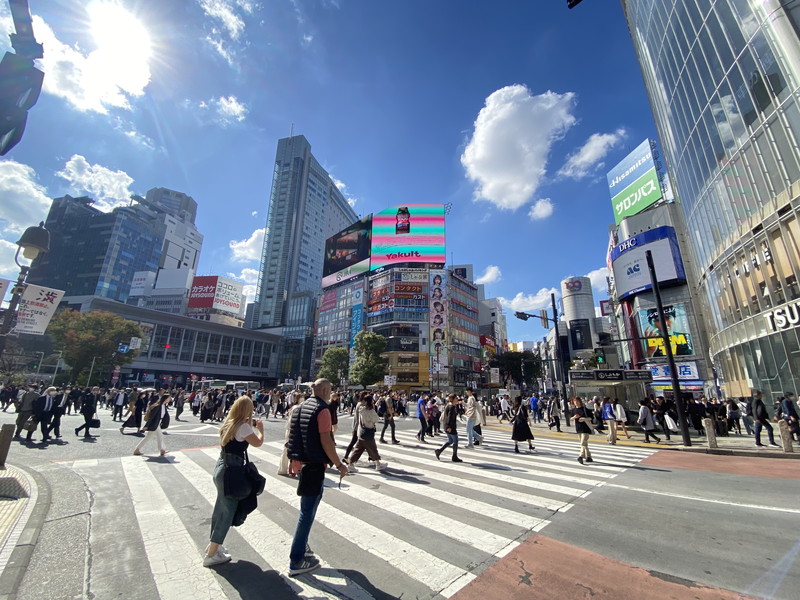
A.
x: 52, y: 394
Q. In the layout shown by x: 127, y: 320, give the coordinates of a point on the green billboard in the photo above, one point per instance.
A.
x: 634, y: 183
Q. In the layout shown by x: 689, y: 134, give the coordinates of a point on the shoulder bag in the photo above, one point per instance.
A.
x: 165, y: 421
x: 240, y: 481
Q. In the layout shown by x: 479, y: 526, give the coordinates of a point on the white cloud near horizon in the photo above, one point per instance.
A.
x: 342, y: 187
x: 107, y: 77
x: 598, y: 277
x: 542, y: 209
x: 250, y: 249
x: 507, y: 155
x: 25, y: 201
x: 528, y: 302
x: 490, y: 275
x: 249, y: 277
x: 589, y: 157
x: 226, y: 110
x: 107, y: 188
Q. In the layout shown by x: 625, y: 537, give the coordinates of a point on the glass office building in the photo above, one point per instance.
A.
x: 722, y: 77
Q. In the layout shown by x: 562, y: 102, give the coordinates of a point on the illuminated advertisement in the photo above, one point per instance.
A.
x: 629, y: 263
x: 347, y: 253
x: 438, y: 321
x: 201, y: 295
x: 413, y: 233
x: 356, y: 320
x: 634, y: 183
x: 580, y: 334
x: 677, y: 327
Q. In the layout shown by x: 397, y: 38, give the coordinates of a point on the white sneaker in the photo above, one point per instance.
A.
x: 217, y: 558
x: 351, y: 469
x: 381, y: 466
x: 220, y: 549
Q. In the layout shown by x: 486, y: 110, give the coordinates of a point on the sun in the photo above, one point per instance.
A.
x: 123, y: 42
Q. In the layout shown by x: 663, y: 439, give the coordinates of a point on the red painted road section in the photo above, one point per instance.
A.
x: 543, y: 569
x: 778, y: 468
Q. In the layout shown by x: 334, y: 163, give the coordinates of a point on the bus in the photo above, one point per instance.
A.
x: 241, y: 386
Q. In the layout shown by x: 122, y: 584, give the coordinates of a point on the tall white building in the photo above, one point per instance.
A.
x: 305, y: 209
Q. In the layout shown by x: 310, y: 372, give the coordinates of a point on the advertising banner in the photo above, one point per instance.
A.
x: 329, y: 300
x: 356, y: 319
x: 141, y: 281
x: 228, y: 296
x: 677, y: 327
x: 36, y: 308
x: 3, y: 287
x: 438, y: 321
x: 202, y: 293
x: 494, y: 375
x: 581, y: 334
x: 418, y: 275
x: 606, y: 308
x: 347, y: 253
x: 631, y: 275
x: 686, y: 371
x: 413, y: 233
x: 409, y: 288
x: 633, y: 183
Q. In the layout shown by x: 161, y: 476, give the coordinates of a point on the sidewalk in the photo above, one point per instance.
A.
x: 734, y: 445
x: 19, y: 496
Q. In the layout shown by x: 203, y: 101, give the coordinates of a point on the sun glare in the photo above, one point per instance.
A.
x: 123, y: 43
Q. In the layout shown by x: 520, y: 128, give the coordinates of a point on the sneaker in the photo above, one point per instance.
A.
x: 305, y: 566
x: 456, y: 459
x: 469, y: 446
x: 220, y: 549
x: 352, y: 469
x: 589, y: 460
x: 217, y: 558
x: 381, y: 466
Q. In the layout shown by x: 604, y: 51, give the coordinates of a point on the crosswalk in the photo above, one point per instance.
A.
x: 424, y: 528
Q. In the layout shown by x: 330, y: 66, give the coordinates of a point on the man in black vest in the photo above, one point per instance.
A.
x: 311, y: 449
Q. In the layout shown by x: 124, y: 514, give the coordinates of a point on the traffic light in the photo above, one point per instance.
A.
x: 20, y: 86
x: 600, y: 354
x: 522, y: 315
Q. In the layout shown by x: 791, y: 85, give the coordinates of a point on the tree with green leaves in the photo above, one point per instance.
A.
x: 519, y: 367
x: 96, y: 334
x: 335, y: 364
x: 369, y: 366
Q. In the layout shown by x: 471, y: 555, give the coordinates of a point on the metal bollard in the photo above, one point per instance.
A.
x: 711, y: 433
x: 6, y: 435
x: 786, y: 436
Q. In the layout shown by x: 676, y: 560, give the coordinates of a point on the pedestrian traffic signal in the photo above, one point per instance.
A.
x: 600, y: 354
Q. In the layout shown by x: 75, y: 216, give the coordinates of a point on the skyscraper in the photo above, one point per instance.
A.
x: 305, y: 209
x: 93, y: 253
x: 722, y: 78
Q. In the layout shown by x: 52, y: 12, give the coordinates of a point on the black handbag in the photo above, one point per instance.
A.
x: 94, y: 423
x: 366, y: 433
x: 240, y: 481
x: 165, y: 421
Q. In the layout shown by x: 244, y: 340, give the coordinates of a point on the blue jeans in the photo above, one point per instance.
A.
x: 308, y: 510
x: 224, y: 507
x: 770, y: 434
x: 471, y: 435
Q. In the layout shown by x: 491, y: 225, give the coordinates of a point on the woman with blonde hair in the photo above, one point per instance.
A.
x: 152, y: 423
x: 238, y: 431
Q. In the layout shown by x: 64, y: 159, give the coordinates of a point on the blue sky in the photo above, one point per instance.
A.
x: 512, y: 111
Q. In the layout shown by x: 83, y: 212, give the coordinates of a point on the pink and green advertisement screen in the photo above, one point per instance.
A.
x: 411, y: 233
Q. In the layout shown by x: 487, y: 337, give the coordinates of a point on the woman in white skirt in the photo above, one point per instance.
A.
x: 152, y: 420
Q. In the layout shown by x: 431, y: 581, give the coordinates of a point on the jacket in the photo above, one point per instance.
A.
x: 304, y: 443
x: 89, y: 404
x: 646, y: 418
x: 449, y: 418
x: 760, y: 410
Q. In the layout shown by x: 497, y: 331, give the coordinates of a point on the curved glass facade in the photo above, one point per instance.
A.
x: 722, y: 77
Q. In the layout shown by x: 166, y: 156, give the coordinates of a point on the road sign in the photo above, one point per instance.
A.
x: 390, y: 380
x: 608, y: 374
x: 123, y: 348
x: 136, y: 343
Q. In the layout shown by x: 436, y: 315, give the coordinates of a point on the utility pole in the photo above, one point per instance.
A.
x: 676, y: 386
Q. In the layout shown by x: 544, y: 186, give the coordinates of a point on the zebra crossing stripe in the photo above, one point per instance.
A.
x: 420, y: 456
x: 472, y: 536
x: 175, y: 561
x: 270, y: 541
x: 427, y: 569
x: 482, y: 509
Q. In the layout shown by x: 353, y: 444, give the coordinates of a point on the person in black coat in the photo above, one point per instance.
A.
x: 60, y: 402
x: 43, y: 411
x: 789, y: 414
x: 89, y: 404
x: 761, y: 417
x: 521, y: 431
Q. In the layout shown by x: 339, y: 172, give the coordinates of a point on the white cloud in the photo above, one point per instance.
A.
x: 588, y: 158
x: 247, y: 275
x: 221, y: 48
x: 254, y: 213
x: 541, y: 209
x: 249, y: 291
x: 110, y: 75
x: 249, y: 249
x: 229, y: 16
x: 342, y: 187
x: 598, y: 277
x: 307, y: 39
x: 8, y: 268
x: 511, y: 141
x: 24, y: 201
x: 227, y: 110
x: 528, y: 302
x: 490, y: 275
x: 108, y: 188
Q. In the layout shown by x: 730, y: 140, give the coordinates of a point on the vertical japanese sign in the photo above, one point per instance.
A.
x: 438, y: 321
x: 356, y: 320
x: 36, y: 308
x: 3, y: 287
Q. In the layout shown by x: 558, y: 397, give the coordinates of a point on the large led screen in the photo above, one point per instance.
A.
x: 412, y: 233
x: 347, y: 253
x: 629, y: 263
x: 634, y: 183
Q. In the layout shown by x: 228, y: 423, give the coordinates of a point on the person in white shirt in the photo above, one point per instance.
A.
x: 505, y: 408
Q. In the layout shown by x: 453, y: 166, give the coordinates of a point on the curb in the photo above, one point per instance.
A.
x: 30, y: 523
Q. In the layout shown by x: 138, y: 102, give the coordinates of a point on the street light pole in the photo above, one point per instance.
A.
x: 676, y: 387
x: 58, y: 363
x: 39, y: 363
x: 91, y: 370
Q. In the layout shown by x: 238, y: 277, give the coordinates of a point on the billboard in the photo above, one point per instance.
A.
x: 35, y: 309
x: 347, y: 253
x: 634, y: 183
x: 581, y: 334
x: 677, y: 327
x: 219, y: 293
x: 356, y: 320
x: 438, y: 321
x: 628, y: 261
x: 413, y: 233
